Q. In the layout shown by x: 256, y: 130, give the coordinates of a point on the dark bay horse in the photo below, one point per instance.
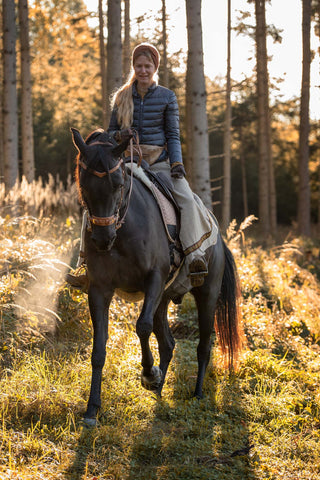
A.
x: 132, y: 254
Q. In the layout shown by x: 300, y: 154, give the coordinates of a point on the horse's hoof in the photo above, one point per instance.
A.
x: 90, y: 422
x: 152, y: 382
x: 198, y: 396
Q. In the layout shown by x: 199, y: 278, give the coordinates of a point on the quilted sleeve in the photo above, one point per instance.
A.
x: 172, y: 129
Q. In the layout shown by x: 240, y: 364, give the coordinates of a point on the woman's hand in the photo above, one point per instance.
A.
x: 178, y: 171
x: 123, y: 135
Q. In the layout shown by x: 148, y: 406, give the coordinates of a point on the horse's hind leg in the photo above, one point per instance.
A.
x: 165, y: 339
x: 151, y: 375
x: 206, y: 302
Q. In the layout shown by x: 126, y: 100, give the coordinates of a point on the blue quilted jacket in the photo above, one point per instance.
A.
x: 156, y: 119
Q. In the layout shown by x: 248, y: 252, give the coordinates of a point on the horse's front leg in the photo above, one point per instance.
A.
x: 99, y: 307
x: 151, y: 375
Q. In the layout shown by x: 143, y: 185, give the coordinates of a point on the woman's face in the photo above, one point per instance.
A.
x: 144, y: 70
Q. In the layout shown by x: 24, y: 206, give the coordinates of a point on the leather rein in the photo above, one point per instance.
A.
x: 106, y: 221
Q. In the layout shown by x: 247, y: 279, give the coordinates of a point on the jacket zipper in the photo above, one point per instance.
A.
x: 140, y: 117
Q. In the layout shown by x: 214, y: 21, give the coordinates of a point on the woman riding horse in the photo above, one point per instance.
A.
x: 151, y: 110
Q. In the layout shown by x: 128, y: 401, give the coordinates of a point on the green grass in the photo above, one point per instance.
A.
x: 262, y: 422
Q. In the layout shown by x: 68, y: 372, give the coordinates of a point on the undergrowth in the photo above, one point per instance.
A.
x: 261, y: 422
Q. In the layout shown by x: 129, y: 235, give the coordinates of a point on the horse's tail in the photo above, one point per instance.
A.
x: 228, y: 318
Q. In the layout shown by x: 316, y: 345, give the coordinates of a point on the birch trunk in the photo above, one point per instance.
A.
x: 26, y: 95
x: 198, y: 144
x: 10, y: 107
x: 114, y: 50
x: 304, y: 222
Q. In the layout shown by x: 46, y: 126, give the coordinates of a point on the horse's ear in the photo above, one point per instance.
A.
x: 119, y: 149
x: 78, y: 141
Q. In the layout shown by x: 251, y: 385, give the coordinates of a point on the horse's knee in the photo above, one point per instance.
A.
x: 98, y: 359
x: 144, y: 329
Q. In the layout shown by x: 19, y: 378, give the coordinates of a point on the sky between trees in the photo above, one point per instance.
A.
x: 286, y: 56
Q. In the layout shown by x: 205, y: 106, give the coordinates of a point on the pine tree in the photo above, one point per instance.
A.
x: 304, y: 180
x: 10, y: 102
x: 26, y: 94
x: 226, y: 203
x: 114, y: 49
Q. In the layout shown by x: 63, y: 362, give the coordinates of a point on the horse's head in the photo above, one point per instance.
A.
x: 100, y: 179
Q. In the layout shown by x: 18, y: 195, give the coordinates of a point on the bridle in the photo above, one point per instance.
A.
x: 115, y: 218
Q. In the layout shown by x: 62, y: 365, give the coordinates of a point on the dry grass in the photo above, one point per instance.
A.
x: 262, y: 423
x: 40, y: 198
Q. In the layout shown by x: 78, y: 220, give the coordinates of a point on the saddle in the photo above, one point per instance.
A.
x: 161, y: 187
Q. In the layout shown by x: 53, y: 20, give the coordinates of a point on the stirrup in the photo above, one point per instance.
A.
x: 79, y: 279
x: 197, y: 271
x: 197, y: 278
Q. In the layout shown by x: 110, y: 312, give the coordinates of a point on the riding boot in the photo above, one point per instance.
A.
x: 198, y: 269
x: 79, y: 279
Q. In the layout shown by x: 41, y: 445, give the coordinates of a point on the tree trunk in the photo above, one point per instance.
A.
x: 1, y: 133
x: 114, y: 50
x: 304, y: 223
x: 196, y: 111
x: 26, y: 95
x: 318, y: 225
x: 10, y: 107
x: 1, y: 107
x: 103, y: 71
x: 164, y: 62
x: 226, y: 201
x: 188, y: 127
x: 267, y: 195
x: 243, y: 176
x: 126, y: 43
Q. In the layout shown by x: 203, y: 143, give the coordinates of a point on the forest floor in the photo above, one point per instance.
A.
x: 262, y: 422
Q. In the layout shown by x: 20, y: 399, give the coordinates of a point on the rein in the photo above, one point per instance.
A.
x: 121, y: 222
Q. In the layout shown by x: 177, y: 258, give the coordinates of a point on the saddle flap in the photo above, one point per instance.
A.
x: 163, y: 183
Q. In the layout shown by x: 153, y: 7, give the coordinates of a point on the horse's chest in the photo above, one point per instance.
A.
x: 122, y: 271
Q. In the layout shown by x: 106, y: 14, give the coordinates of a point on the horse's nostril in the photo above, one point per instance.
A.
x: 103, y: 244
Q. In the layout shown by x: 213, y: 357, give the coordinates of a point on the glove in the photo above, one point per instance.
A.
x: 178, y: 171
x: 123, y: 135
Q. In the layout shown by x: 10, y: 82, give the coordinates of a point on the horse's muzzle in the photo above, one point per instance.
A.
x: 103, y: 238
